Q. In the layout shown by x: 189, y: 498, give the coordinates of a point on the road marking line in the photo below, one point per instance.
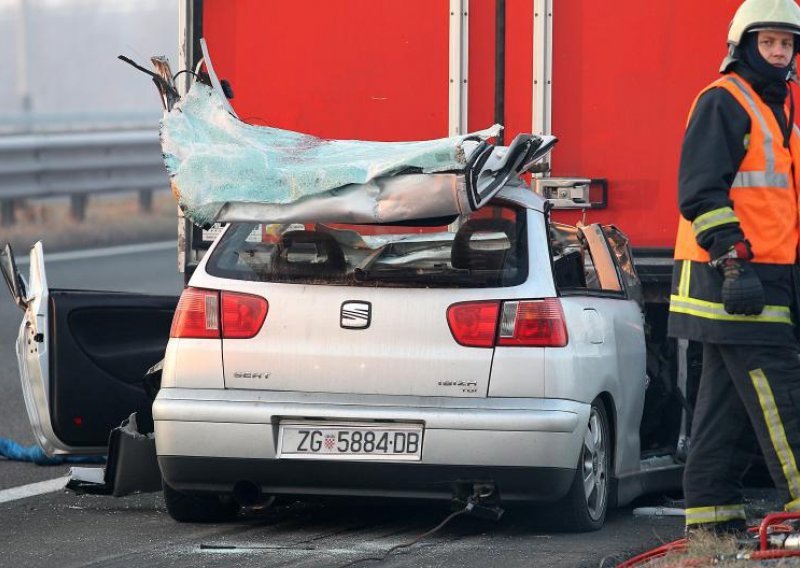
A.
x: 33, y: 489
x: 107, y: 251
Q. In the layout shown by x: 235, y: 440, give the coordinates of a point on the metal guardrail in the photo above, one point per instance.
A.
x: 78, y: 165
x: 17, y: 123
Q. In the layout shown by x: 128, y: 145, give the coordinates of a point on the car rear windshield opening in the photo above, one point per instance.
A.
x: 485, y: 249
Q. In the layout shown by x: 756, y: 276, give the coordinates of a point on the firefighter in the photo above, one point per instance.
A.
x: 734, y: 282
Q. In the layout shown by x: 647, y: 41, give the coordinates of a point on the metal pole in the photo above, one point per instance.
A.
x: 542, y: 66
x: 459, y: 64
x: 500, y: 66
x: 23, y: 76
x: 187, y: 30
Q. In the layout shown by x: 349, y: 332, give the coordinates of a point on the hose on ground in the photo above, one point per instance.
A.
x: 13, y: 451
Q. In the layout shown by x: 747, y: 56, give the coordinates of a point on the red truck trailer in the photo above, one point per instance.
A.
x: 612, y: 80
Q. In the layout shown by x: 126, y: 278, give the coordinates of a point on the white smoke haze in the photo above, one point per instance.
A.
x: 59, y: 68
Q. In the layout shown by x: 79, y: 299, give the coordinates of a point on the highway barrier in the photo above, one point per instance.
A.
x: 78, y: 165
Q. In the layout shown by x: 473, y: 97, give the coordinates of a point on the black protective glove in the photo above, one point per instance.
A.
x: 742, y: 292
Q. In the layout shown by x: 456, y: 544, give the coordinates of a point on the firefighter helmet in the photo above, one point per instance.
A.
x: 758, y: 15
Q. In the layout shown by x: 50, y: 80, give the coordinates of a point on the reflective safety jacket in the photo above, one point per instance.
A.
x: 758, y: 201
x: 763, y: 191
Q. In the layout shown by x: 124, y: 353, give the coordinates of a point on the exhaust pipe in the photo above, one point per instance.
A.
x: 247, y: 493
x: 483, y: 491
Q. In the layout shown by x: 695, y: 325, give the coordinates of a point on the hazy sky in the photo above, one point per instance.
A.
x: 69, y: 60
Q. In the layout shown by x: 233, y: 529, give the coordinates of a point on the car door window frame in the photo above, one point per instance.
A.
x: 604, y: 261
x: 592, y: 241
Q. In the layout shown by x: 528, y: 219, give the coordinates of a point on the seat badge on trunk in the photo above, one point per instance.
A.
x: 356, y: 315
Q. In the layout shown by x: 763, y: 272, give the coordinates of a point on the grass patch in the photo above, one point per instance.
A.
x: 706, y: 549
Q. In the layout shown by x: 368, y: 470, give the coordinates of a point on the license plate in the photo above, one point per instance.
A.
x: 301, y: 440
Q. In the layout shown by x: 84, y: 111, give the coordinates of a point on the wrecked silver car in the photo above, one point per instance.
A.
x: 423, y: 329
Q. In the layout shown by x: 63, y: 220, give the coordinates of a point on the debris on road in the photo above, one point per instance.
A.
x: 132, y: 466
x: 659, y: 512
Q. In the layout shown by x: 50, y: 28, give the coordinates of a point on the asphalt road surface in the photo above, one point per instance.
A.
x: 58, y: 528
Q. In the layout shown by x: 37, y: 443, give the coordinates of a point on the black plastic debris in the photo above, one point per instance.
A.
x: 132, y: 466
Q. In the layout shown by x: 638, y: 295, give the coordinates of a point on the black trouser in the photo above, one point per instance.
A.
x: 748, y: 395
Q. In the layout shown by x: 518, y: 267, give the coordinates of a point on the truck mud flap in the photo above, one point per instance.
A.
x: 131, y: 467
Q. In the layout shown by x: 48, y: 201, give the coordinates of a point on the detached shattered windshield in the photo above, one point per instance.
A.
x: 225, y: 170
x: 215, y: 159
x: 484, y: 250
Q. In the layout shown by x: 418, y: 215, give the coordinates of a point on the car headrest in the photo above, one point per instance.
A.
x: 483, y: 244
x: 299, y: 252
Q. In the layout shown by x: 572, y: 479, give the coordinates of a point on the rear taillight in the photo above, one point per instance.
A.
x: 524, y: 323
x: 474, y: 324
x: 242, y: 315
x: 198, y: 315
x: 533, y: 323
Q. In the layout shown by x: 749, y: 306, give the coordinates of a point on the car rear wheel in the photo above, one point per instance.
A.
x: 584, y: 508
x: 186, y: 508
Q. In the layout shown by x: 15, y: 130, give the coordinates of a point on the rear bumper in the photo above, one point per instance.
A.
x: 207, y: 440
x: 417, y: 481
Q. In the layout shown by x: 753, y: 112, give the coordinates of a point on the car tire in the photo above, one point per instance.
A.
x: 186, y: 508
x: 584, y: 508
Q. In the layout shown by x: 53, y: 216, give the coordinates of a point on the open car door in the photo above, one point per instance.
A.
x: 82, y: 357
